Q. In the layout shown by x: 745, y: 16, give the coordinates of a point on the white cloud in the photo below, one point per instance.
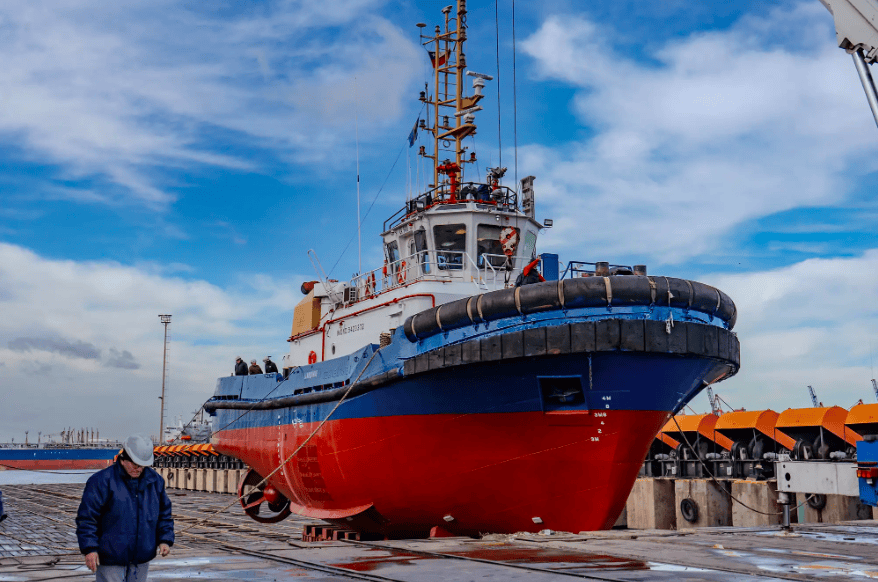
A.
x: 810, y: 323
x: 111, y: 95
x: 724, y: 127
x: 82, y: 343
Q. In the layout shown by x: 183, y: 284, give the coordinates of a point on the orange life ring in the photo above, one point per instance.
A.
x: 401, y: 274
x: 312, y: 357
x: 384, y: 270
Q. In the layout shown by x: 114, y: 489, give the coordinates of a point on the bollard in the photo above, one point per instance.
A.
x: 783, y: 499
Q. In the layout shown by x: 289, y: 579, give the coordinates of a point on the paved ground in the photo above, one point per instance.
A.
x: 37, y: 543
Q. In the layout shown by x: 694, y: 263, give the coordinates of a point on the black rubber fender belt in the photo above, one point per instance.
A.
x: 606, y: 292
x: 603, y: 335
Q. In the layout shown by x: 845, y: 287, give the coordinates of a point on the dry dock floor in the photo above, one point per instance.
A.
x: 37, y: 542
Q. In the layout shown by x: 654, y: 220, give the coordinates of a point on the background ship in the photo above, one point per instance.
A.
x: 492, y: 401
x: 70, y: 449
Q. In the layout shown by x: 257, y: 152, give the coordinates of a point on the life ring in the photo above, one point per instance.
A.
x: 401, y: 274
x: 509, y: 240
x: 312, y: 357
x: 384, y: 269
x: 369, y: 284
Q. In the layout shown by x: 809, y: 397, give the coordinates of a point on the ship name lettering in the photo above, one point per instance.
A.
x: 311, y: 374
x: 350, y: 329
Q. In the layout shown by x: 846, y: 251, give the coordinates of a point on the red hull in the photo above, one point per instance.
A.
x: 55, y: 464
x: 402, y: 475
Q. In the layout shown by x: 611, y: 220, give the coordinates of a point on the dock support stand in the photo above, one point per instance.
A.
x: 783, y: 499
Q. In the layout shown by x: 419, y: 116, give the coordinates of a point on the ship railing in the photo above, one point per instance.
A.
x: 577, y: 269
x: 500, y: 197
x: 498, y: 269
x: 486, y: 272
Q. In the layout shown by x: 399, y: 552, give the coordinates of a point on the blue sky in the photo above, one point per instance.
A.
x: 182, y: 158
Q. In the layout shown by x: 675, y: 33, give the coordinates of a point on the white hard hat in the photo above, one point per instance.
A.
x: 139, y: 448
x: 252, y: 361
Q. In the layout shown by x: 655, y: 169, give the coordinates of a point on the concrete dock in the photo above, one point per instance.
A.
x: 37, y: 542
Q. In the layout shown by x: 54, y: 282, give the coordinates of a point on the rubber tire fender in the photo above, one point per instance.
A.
x: 424, y: 324
x: 817, y: 501
x: 539, y: 297
x: 453, y: 315
x: 585, y: 292
x: 499, y: 304
x: 689, y: 510
x: 630, y: 290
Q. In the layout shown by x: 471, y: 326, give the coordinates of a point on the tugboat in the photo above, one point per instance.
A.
x: 468, y: 384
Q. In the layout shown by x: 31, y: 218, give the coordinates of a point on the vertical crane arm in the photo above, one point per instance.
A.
x: 813, y: 394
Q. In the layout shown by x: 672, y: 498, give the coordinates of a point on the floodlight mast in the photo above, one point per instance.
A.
x: 166, y: 321
x: 856, y: 27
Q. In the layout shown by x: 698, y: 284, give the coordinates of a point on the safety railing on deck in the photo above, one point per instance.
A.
x: 488, y: 272
x: 501, y: 197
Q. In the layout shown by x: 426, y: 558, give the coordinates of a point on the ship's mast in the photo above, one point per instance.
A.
x: 449, y: 62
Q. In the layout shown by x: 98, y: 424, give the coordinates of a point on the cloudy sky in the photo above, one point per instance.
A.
x: 181, y: 158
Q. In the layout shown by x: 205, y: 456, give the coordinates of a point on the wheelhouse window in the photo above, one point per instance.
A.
x: 420, y: 242
x: 392, y: 250
x: 498, y: 242
x: 450, y: 245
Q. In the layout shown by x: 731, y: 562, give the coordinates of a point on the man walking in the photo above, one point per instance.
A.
x: 124, y: 518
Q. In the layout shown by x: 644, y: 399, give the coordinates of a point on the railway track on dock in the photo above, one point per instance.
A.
x: 235, y: 533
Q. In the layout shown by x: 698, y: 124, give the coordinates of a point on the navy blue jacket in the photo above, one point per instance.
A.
x: 124, y: 519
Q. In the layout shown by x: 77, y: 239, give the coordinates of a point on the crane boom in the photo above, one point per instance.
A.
x: 713, y: 404
x: 813, y: 396
x: 856, y: 27
x: 875, y: 388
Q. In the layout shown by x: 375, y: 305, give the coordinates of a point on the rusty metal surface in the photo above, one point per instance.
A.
x: 229, y: 546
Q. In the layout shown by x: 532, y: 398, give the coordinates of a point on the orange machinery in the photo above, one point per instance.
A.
x: 700, y: 443
x: 863, y: 420
x: 817, y: 433
x: 662, y: 450
x: 755, y: 443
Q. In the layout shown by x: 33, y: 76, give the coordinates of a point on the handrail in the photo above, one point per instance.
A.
x: 574, y: 267
x: 425, y: 201
x: 442, y: 265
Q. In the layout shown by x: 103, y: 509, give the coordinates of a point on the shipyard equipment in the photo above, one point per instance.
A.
x: 818, y: 433
x: 700, y: 444
x: 662, y: 459
x: 856, y: 27
x: 755, y: 444
x: 863, y: 420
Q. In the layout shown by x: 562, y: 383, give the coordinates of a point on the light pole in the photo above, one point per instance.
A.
x: 166, y: 321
